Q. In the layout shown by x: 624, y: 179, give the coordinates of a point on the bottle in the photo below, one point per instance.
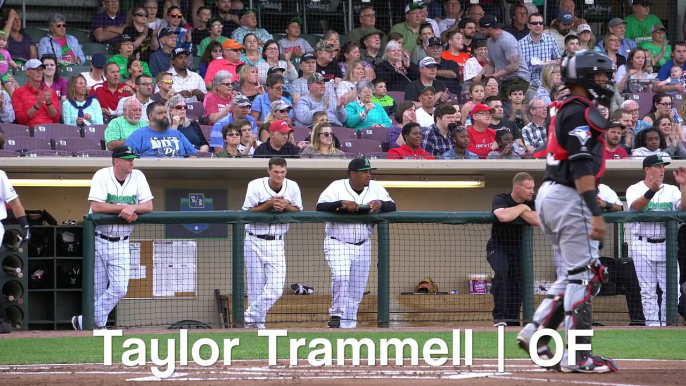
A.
x: 677, y: 118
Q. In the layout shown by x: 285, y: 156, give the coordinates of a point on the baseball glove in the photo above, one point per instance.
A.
x: 426, y: 285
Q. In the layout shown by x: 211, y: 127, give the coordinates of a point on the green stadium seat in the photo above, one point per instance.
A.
x: 278, y: 37
x: 21, y: 78
x: 36, y: 34
x: 81, y: 35
x: 342, y: 39
x: 90, y: 49
x: 68, y: 71
x: 312, y: 39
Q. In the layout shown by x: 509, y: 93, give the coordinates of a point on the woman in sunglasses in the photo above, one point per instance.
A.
x: 183, y: 36
x: 176, y: 111
x: 232, y: 138
x: 322, y: 143
x: 144, y: 44
x: 66, y: 48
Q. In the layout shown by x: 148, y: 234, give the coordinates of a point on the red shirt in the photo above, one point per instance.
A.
x: 404, y: 152
x: 480, y: 143
x: 213, y: 103
x: 618, y: 153
x: 108, y: 98
x: 26, y: 96
x: 219, y: 65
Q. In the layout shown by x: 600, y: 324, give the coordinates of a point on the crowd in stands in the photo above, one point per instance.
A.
x: 450, y: 81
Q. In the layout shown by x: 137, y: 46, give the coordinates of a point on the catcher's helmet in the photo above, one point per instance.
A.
x: 581, y: 68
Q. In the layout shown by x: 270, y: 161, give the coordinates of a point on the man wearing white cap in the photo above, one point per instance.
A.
x: 617, y: 26
x: 34, y: 105
x: 427, y: 77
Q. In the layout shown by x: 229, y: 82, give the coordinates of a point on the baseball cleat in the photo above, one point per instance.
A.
x: 592, y: 365
x: 335, y: 322
x: 544, y: 351
x: 76, y: 323
x: 498, y: 324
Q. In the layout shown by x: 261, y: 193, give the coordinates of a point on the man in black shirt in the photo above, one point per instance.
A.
x: 504, y: 248
x: 568, y: 208
x: 428, y: 69
x: 277, y: 144
x: 326, y: 64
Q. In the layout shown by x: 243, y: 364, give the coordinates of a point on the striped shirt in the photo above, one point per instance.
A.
x: 534, y: 135
x: 546, y: 49
x: 435, y: 143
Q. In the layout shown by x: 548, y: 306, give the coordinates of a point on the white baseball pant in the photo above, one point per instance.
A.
x: 112, y: 263
x: 265, y: 266
x: 650, y: 261
x: 349, y: 266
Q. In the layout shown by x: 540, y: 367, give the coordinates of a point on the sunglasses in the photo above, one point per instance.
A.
x: 327, y: 134
x: 175, y: 15
x: 536, y: 22
x: 142, y: 14
x: 180, y: 107
x: 284, y: 111
x: 167, y: 81
x: 60, y: 26
x: 234, y: 134
x: 225, y: 84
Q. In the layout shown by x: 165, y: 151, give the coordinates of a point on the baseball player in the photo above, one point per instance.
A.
x: 568, y: 209
x: 8, y: 196
x: 347, y: 247
x: 265, y: 259
x: 121, y: 190
x: 648, y: 247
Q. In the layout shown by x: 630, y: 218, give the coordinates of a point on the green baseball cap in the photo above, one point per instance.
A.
x: 360, y: 164
x: 654, y: 160
x: 124, y: 152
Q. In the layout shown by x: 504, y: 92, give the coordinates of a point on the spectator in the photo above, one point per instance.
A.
x: 650, y: 141
x: 538, y: 49
x: 518, y: 15
x: 184, y: 38
x: 232, y: 137
x: 437, y: 138
x: 203, y: 26
x: 154, y: 22
x: 108, y: 25
x: 370, y: 47
x: 367, y: 22
x: 144, y: 89
x: 241, y: 108
x: 277, y: 145
x: 214, y: 36
x: 218, y: 103
x: 229, y: 61
x: 292, y: 43
x: 467, y: 28
x: 571, y: 46
x: 658, y: 47
x: 405, y: 114
x: 119, y: 129
x: 455, y: 54
x: 617, y: 28
x: 412, y: 149
x: 363, y: 113
x: 474, y: 67
x: 611, y: 43
x: 507, y: 147
x: 97, y: 71
x: 535, y: 134
x: 569, y: 6
x: 248, y: 23
x: 262, y: 104
x: 476, y: 12
x: 558, y: 92
x: 613, y: 139
x: 176, y: 109
x: 331, y: 37
x: 679, y: 60
x: 561, y: 28
x: 165, y: 90
x: 396, y: 68
x: 213, y: 52
x: 160, y: 60
x: 229, y: 12
x: 144, y: 43
x: 381, y: 97
x: 498, y: 123
x: 249, y: 141
x: 248, y: 84
x: 674, y: 146
x: 322, y: 143
x: 186, y: 82
x: 426, y: 108
x: 346, y: 90
x: 604, y: 111
x: 427, y: 19
x: 586, y: 37
x: 453, y: 12
x: 125, y: 52
x: 318, y: 100
x: 419, y: 50
x: 326, y: 54
x: 110, y: 91
x: 481, y: 137
x: 662, y: 107
x: 6, y: 112
x: 409, y: 29
x: 550, y: 76
x: 476, y: 95
x: 270, y: 56
x: 5, y: 63
x: 518, y: 110
x: 33, y: 104
x: 427, y: 77
x: 460, y: 139
x: 19, y: 44
x: 134, y: 69
x: 278, y: 111
x: 505, y: 59
x: 447, y: 71
x: 252, y: 52
x: 640, y: 22
x: 158, y: 139
x: 52, y: 78
x: 632, y: 108
x: 634, y: 69
x: 80, y: 109
x: 65, y: 48
x: 350, y: 52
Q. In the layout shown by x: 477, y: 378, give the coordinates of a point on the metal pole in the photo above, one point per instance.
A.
x: 238, y: 267
x: 527, y: 273
x: 672, y: 279
x: 88, y: 277
x: 23, y: 13
x: 384, y: 268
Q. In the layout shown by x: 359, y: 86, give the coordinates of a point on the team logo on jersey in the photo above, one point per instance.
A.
x: 196, y: 202
x: 583, y: 133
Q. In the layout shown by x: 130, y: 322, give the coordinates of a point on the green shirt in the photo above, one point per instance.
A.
x: 203, y: 44
x: 655, y: 51
x: 122, y: 62
x: 409, y: 37
x: 120, y: 129
x: 639, y: 31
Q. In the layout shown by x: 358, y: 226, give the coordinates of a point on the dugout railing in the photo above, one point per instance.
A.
x: 396, y: 266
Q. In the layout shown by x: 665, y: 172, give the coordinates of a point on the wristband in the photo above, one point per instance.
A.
x: 649, y: 194
x: 23, y: 221
x: 609, y: 206
x: 590, y: 197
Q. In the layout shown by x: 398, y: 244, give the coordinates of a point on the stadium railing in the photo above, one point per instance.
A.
x: 406, y: 247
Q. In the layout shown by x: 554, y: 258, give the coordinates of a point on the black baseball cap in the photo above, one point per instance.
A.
x: 180, y: 51
x: 489, y: 21
x: 307, y: 56
x: 615, y: 123
x: 654, y: 160
x: 360, y: 164
x: 124, y: 152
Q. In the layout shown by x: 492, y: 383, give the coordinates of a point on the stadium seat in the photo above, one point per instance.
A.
x: 195, y: 109
x: 644, y: 100
x: 77, y: 144
x: 302, y: 133
x: 24, y: 144
x: 398, y: 96
x: 95, y: 132
x: 382, y: 155
x: 345, y: 133
x: 20, y: 77
x: 48, y: 153
x: 12, y: 130
x: 375, y: 133
x: 80, y: 34
x: 677, y: 99
x: 68, y: 71
x: 36, y: 34
x: 55, y: 130
x: 361, y: 146
x: 94, y: 153
x: 206, y: 131
x: 9, y: 154
x: 312, y: 39
x: 90, y: 49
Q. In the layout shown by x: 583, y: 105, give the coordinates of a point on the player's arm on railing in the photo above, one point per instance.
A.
x: 510, y: 214
x: 530, y: 217
x: 328, y: 206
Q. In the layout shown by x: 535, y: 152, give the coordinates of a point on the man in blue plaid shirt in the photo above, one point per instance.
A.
x: 437, y: 138
x: 539, y: 48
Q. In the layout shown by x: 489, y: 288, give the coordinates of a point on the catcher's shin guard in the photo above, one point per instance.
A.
x: 549, y: 314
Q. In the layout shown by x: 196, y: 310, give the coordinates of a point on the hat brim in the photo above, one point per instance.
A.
x: 363, y: 169
x: 131, y: 156
x: 658, y: 164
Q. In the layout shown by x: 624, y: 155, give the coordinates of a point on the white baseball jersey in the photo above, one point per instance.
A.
x: 666, y: 199
x: 105, y: 188
x: 608, y: 195
x: 341, y: 190
x: 260, y: 192
x: 7, y: 194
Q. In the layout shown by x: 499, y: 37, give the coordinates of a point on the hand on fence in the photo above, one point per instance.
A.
x: 128, y: 213
x: 374, y: 206
x: 351, y: 206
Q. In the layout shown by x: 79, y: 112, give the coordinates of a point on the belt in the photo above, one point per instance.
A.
x: 112, y: 239
x: 266, y: 237
x: 652, y: 241
x: 358, y: 243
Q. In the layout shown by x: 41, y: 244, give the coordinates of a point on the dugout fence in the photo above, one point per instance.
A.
x: 178, y: 273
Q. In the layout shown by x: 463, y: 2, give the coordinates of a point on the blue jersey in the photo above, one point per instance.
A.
x: 170, y: 143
